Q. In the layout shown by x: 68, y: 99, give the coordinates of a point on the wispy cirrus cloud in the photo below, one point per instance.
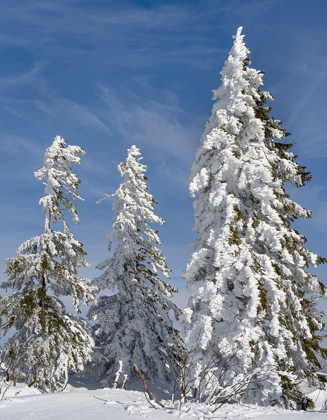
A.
x: 14, y: 144
x: 153, y: 124
x: 26, y: 77
x: 307, y: 92
x: 145, y: 36
x: 44, y: 100
x: 68, y: 109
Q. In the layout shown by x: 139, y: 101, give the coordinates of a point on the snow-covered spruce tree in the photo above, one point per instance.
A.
x: 49, y: 342
x: 133, y: 325
x: 251, y: 296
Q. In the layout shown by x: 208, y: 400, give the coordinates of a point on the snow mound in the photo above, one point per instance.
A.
x: 82, y: 402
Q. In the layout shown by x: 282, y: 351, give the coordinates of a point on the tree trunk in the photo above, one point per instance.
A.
x: 35, y: 376
x: 14, y: 376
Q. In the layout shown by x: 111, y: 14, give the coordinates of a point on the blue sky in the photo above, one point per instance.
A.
x: 109, y: 74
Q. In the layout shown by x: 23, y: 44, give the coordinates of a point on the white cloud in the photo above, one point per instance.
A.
x: 27, y: 77
x: 78, y: 114
x: 153, y: 124
x: 56, y: 107
x: 307, y: 93
x: 144, y: 36
x: 14, y: 144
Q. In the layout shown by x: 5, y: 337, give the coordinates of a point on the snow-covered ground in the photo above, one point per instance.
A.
x: 83, y: 401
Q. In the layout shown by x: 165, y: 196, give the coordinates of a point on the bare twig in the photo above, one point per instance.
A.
x: 216, y: 382
x: 4, y: 393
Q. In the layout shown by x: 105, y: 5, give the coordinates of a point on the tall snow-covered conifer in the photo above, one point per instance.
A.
x: 49, y: 342
x: 250, y: 292
x: 133, y: 325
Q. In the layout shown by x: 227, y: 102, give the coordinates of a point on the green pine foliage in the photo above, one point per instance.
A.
x: 48, y: 342
x: 251, y: 293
